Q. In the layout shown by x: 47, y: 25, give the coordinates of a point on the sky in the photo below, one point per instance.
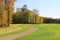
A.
x: 47, y: 8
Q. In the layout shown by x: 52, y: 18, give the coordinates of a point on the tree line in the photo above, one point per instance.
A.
x: 26, y: 16
x: 51, y: 20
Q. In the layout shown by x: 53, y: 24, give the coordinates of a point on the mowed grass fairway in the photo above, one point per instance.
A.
x: 44, y: 32
x: 13, y: 29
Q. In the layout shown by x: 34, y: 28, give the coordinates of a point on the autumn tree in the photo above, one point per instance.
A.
x: 24, y: 15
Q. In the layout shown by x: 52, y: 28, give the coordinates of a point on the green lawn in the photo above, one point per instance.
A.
x: 13, y: 30
x: 44, y: 32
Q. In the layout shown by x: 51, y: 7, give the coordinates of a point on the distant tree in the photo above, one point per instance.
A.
x: 58, y: 20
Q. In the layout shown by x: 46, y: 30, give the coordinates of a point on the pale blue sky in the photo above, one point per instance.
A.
x: 47, y: 8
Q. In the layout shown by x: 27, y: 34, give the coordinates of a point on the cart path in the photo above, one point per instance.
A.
x: 22, y: 34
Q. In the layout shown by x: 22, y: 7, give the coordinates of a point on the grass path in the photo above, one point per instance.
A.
x: 14, y: 36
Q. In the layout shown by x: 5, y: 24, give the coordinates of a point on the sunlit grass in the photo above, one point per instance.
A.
x: 44, y: 32
x: 13, y: 29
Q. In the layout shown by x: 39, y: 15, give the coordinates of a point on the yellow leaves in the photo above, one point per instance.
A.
x: 4, y: 14
x: 28, y: 17
x: 30, y: 13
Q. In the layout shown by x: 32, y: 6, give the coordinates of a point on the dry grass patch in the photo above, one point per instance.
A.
x: 12, y: 28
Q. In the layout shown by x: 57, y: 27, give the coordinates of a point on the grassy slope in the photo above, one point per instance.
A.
x: 15, y: 32
x: 45, y: 32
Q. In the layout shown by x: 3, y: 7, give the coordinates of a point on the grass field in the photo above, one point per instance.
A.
x: 13, y: 29
x: 44, y: 32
